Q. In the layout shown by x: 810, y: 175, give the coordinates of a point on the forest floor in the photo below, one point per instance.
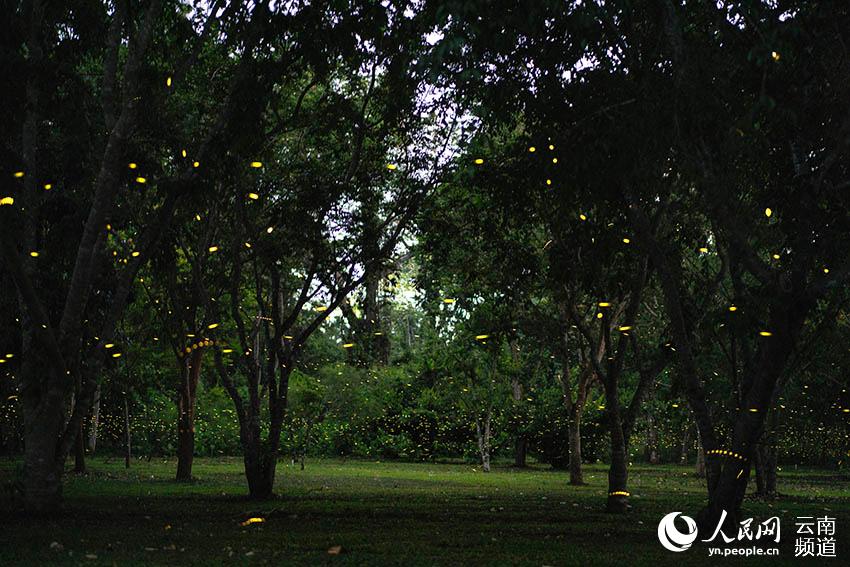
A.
x: 386, y: 513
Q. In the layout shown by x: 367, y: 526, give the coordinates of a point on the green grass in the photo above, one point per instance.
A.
x: 385, y: 513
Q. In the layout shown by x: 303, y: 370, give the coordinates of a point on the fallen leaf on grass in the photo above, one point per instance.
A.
x: 335, y: 550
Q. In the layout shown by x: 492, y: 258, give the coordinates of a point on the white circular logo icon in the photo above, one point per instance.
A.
x: 671, y: 538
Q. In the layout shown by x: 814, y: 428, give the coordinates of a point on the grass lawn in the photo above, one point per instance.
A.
x: 386, y: 513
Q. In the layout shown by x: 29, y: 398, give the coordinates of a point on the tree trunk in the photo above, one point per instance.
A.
x: 127, y: 446
x: 521, y: 441
x: 484, y: 440
x: 95, y: 421
x: 576, y: 477
x: 700, y: 466
x: 260, y: 473
x: 42, y: 475
x: 618, y: 472
x: 80, y: 451
x: 686, y: 441
x: 758, y: 464
x: 652, y: 440
x: 186, y: 398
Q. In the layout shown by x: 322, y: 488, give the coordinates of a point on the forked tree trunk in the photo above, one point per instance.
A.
x: 186, y: 398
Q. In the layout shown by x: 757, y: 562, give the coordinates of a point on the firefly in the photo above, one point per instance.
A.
x: 479, y: 161
x: 256, y: 164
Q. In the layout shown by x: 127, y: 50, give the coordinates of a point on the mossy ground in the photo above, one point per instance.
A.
x: 385, y: 513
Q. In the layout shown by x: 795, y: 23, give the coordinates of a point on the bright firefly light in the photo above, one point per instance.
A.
x: 604, y: 304
x: 132, y: 165
x: 481, y: 337
x: 48, y: 186
x: 135, y: 254
x: 348, y: 345
x: 183, y: 153
x: 625, y: 328
x: 321, y: 308
x: 768, y: 212
x: 7, y: 201
x: 554, y: 160
x: 196, y: 164
x: 18, y: 174
x: 479, y: 161
x: 448, y: 300
x: 116, y: 355
x: 599, y: 315
x: 626, y: 241
x: 168, y: 82
x: 765, y: 333
x: 704, y: 250
x: 392, y: 166
x: 548, y: 182
x: 532, y: 149
x: 141, y: 180
x: 775, y: 55
x: 213, y: 248
x: 269, y: 230
x: 733, y: 308
x: 582, y: 217
x: 253, y: 196
x: 34, y: 254
x: 256, y: 164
